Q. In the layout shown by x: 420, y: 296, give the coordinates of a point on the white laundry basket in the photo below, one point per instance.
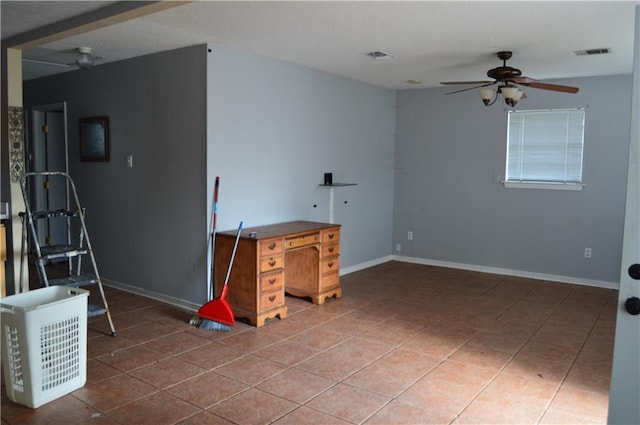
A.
x: 44, y: 344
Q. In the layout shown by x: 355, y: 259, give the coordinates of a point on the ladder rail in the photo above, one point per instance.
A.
x: 78, y: 252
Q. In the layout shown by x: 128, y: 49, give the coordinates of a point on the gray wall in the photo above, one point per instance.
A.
x: 275, y: 128
x: 451, y: 156
x: 147, y: 223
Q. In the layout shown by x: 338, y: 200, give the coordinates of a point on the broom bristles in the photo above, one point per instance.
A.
x: 214, y: 326
x: 207, y: 324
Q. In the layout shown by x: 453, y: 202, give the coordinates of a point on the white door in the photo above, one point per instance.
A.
x: 624, y: 401
x: 47, y: 151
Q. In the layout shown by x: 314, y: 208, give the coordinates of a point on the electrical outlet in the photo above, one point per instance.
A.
x: 587, y: 253
x: 398, y: 247
x: 410, y: 236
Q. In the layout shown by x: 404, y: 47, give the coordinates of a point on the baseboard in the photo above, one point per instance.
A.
x: 189, y: 306
x: 509, y: 272
x: 177, y: 302
x: 365, y: 265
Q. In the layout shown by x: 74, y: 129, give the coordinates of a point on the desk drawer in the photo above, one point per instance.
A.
x: 331, y: 235
x: 271, y: 281
x: 271, y: 263
x: 303, y: 240
x: 329, y: 250
x: 271, y: 299
x: 330, y: 280
x: 330, y: 265
x: 270, y: 247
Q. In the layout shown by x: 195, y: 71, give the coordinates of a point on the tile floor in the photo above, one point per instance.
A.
x: 407, y: 344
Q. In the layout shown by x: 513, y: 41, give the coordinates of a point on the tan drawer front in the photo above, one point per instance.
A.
x: 330, y: 280
x: 329, y: 250
x: 330, y: 265
x: 303, y: 241
x: 271, y: 263
x: 271, y: 299
x: 271, y: 281
x: 330, y: 235
x: 270, y: 247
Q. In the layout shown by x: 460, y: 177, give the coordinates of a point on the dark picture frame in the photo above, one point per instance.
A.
x: 94, y: 139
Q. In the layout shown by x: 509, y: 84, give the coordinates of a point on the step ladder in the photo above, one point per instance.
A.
x: 45, y: 250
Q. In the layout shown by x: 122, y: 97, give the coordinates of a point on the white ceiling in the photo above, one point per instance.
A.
x: 432, y: 41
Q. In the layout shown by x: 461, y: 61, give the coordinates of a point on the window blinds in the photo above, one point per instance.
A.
x: 545, y: 146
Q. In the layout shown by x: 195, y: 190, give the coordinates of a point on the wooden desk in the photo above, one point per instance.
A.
x: 301, y: 258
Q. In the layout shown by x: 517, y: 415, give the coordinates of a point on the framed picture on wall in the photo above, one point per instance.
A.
x: 94, y: 139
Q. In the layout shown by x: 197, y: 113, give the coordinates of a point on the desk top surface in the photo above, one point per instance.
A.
x: 279, y: 229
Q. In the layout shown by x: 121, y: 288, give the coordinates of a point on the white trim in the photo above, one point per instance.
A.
x: 540, y: 185
x: 183, y: 304
x: 193, y: 307
x: 365, y: 265
x: 510, y: 272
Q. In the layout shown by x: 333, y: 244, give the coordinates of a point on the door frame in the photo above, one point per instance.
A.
x: 625, y: 372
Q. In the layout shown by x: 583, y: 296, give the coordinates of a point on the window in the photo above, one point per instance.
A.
x: 544, y: 149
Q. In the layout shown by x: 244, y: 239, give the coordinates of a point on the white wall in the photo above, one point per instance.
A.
x: 275, y: 128
x: 451, y: 157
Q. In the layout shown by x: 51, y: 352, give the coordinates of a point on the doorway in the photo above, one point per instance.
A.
x: 47, y: 150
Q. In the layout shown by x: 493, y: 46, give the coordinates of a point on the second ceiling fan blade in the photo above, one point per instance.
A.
x: 474, y: 87
x: 460, y: 83
x: 530, y: 82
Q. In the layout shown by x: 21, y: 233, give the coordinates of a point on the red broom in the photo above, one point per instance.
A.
x: 217, y: 314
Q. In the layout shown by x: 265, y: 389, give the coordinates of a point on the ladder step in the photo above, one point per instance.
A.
x: 61, y: 251
x: 95, y: 310
x: 53, y: 213
x: 74, y: 280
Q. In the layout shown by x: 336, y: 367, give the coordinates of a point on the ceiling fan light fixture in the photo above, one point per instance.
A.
x: 488, y: 95
x: 84, y: 59
x: 511, y: 95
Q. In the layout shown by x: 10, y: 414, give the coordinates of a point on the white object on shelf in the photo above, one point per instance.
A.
x: 331, y: 187
x: 44, y: 344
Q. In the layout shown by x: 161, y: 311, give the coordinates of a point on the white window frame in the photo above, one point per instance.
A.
x: 569, y: 138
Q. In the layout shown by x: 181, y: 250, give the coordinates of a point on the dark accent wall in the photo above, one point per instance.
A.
x: 148, y: 223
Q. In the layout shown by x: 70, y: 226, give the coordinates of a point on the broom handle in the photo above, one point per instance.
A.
x: 213, y: 235
x: 233, y: 255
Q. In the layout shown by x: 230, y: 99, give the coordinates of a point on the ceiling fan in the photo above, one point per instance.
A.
x: 83, y: 58
x: 508, y: 80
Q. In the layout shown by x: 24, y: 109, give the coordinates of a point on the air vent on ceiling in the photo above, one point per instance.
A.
x: 379, y: 54
x: 600, y: 51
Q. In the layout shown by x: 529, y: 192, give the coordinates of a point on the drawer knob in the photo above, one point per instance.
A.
x: 331, y: 249
x: 272, y: 263
x: 291, y: 243
x: 272, y: 281
x: 272, y: 298
x: 331, y: 235
x: 330, y: 264
x: 272, y: 246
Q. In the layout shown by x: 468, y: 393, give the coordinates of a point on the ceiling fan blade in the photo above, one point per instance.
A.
x: 530, y: 82
x: 45, y: 62
x: 459, y: 83
x: 473, y: 88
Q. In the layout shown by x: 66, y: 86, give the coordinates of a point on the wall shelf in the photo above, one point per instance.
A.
x: 338, y: 184
x: 332, y: 187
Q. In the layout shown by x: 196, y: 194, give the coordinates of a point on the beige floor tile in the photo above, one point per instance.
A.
x: 158, y: 409
x: 303, y: 415
x: 207, y: 389
x: 166, y: 373
x: 253, y: 407
x: 348, y: 403
x: 296, y: 385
